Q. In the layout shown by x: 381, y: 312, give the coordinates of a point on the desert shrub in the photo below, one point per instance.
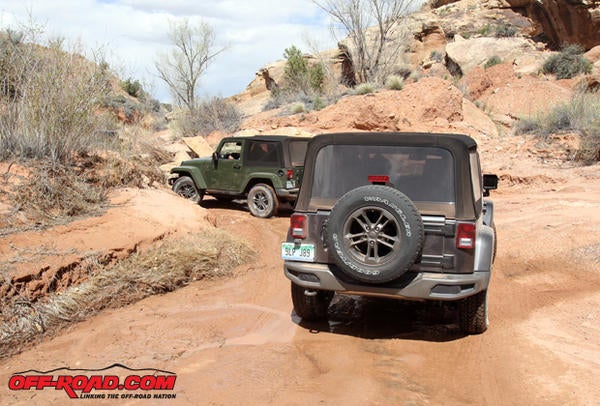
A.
x: 132, y: 88
x: 298, y: 108
x: 57, y: 192
x: 581, y: 114
x: 364, y: 88
x: 503, y: 30
x: 319, y: 103
x: 316, y: 77
x: 485, y: 30
x: 436, y: 56
x: 568, y: 63
x: 394, y: 82
x: 49, y: 98
x: 211, y: 115
x: 493, y: 61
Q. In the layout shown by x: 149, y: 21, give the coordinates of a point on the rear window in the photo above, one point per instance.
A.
x: 298, y: 152
x: 263, y: 153
x: 424, y: 174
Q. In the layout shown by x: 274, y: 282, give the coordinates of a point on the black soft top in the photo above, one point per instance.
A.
x: 281, y: 138
x: 459, y: 145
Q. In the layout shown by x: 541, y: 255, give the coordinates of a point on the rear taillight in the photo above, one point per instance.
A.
x: 298, y: 226
x: 290, y: 174
x: 378, y: 179
x: 465, y: 236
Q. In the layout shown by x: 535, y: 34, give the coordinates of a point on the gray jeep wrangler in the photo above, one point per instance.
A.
x: 396, y: 215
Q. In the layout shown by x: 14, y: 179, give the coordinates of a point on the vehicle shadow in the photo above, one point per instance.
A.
x: 285, y: 209
x: 377, y: 318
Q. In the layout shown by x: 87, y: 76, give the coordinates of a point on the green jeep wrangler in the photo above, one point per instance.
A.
x: 265, y: 170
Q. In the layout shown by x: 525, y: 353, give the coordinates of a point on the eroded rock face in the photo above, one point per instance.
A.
x: 570, y: 21
x: 467, y: 54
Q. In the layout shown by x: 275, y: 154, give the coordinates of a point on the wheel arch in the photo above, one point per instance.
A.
x: 259, y: 178
x: 193, y: 173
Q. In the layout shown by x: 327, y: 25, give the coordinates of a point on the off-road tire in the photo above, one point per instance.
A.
x: 473, y: 313
x: 262, y: 201
x: 185, y: 187
x: 310, y: 308
x: 374, y: 233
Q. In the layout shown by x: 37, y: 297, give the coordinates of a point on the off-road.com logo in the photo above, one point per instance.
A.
x: 80, y: 383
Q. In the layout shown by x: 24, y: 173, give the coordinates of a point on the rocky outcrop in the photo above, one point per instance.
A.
x: 466, y: 54
x: 560, y: 21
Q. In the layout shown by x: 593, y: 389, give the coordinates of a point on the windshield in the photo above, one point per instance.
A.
x: 424, y: 174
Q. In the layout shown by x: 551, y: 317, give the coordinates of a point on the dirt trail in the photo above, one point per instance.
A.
x: 237, y: 342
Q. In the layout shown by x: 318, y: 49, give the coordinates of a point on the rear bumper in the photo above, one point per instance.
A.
x: 423, y: 286
x: 287, y: 194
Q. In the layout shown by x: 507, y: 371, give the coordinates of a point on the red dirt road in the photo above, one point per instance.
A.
x: 237, y: 341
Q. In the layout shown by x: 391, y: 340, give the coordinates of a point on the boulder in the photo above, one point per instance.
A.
x: 469, y: 53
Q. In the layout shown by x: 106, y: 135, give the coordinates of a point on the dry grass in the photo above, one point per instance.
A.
x: 581, y: 115
x: 164, y: 268
x: 56, y: 193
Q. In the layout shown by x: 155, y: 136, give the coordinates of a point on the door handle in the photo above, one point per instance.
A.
x: 237, y: 166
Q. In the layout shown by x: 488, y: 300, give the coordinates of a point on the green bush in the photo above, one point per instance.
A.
x: 316, y: 77
x: 568, y: 63
x: 295, y: 70
x: 132, y: 88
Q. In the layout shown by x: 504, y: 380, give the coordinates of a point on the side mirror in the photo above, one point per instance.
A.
x: 490, y: 182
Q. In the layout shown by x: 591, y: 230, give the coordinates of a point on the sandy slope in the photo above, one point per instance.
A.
x: 237, y: 341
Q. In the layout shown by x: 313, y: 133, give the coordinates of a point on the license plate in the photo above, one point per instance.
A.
x: 290, y: 184
x: 302, y: 252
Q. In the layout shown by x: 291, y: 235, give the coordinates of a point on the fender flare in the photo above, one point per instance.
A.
x: 261, y: 177
x: 193, y: 173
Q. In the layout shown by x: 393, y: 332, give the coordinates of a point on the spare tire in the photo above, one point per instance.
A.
x: 374, y: 233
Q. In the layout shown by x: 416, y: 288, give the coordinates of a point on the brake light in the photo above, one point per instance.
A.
x: 290, y: 174
x: 378, y: 179
x: 465, y: 236
x: 298, y: 226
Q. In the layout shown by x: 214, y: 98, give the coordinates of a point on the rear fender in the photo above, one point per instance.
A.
x: 263, y: 177
x: 488, y: 212
x: 484, y: 248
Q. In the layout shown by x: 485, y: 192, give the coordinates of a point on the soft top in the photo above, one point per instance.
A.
x: 270, y: 138
x: 452, y: 142
x: 459, y: 145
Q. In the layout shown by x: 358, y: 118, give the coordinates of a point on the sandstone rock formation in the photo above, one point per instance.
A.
x: 571, y: 21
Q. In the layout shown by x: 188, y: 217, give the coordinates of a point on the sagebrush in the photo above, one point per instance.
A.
x: 49, y: 97
x: 581, y: 115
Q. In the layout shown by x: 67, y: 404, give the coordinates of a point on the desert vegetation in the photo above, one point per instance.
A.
x: 581, y: 115
x: 163, y: 268
x: 568, y: 63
